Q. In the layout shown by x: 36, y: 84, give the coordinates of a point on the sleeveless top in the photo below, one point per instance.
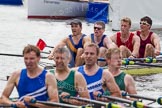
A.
x: 35, y: 87
x: 119, y: 81
x: 101, y: 42
x: 143, y: 43
x: 128, y: 43
x: 67, y: 85
x: 73, y: 48
x: 94, y: 83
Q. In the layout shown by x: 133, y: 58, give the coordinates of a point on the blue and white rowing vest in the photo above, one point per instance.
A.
x: 35, y: 87
x: 94, y: 83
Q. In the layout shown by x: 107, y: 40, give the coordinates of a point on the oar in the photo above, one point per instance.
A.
x: 8, y: 106
x: 147, y: 60
x: 17, y: 55
x: 107, y: 105
x: 127, y: 62
x: 135, y: 104
x: 159, y: 100
x: 41, y: 44
x: 55, y: 104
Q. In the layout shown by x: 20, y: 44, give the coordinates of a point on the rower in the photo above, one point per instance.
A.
x: 102, y: 40
x: 32, y: 82
x: 124, y: 81
x: 69, y: 82
x: 74, y: 42
x: 150, y: 42
x: 95, y: 76
x: 128, y: 42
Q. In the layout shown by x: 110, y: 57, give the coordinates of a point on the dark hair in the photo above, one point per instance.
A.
x: 29, y: 48
x: 148, y: 19
x: 76, y: 21
x: 102, y: 23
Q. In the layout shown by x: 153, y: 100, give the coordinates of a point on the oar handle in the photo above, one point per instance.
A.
x: 49, y: 46
x: 12, y: 105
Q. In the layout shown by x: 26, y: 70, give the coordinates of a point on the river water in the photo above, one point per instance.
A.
x: 16, y: 31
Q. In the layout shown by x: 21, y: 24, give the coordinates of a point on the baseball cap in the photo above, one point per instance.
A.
x: 76, y: 21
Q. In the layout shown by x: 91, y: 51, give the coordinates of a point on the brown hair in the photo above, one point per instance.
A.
x: 126, y: 19
x: 100, y: 23
x: 93, y: 45
x: 112, y: 51
x: 29, y: 48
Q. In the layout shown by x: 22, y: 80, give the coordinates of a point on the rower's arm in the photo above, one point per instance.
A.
x: 61, y: 43
x: 130, y: 84
x: 81, y: 87
x: 156, y: 41
x: 111, y: 84
x: 12, y: 81
x: 113, y: 38
x: 136, y: 46
x: 52, y: 87
x: 109, y: 43
x: 86, y: 40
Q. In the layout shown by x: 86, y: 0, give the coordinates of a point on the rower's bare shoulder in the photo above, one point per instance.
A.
x: 49, y: 75
x: 129, y: 78
x: 16, y: 74
x: 106, y: 74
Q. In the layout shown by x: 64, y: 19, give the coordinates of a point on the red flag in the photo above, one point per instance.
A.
x: 41, y: 44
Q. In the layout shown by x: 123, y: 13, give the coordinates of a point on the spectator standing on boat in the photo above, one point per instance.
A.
x: 124, y: 81
x: 95, y: 76
x: 101, y: 40
x: 31, y: 82
x: 69, y: 82
x: 128, y: 42
x: 150, y: 42
x: 74, y: 42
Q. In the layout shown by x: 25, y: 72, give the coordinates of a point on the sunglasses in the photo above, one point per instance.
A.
x: 98, y: 28
x: 144, y: 23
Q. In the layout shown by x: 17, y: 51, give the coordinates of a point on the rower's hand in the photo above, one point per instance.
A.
x: 96, y: 93
x: 28, y: 99
x: 19, y: 104
x: 50, y: 57
x: 156, y: 52
x: 64, y: 96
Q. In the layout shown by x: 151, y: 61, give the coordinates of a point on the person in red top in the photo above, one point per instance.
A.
x: 128, y: 42
x: 150, y: 42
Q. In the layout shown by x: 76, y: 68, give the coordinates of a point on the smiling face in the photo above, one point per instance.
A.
x: 31, y: 60
x: 61, y: 57
x: 76, y: 29
x: 61, y: 61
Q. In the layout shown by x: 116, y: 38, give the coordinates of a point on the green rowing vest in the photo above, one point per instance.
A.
x: 119, y: 81
x: 67, y: 85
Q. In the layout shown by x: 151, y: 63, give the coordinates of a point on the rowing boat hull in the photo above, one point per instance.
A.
x: 56, y: 9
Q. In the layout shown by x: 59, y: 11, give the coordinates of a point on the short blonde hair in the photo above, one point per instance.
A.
x: 112, y: 51
x: 126, y: 19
